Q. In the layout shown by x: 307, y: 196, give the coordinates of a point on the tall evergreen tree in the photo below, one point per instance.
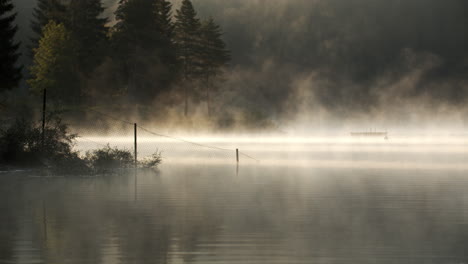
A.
x: 88, y: 30
x: 10, y: 74
x: 165, y: 33
x: 45, y: 11
x: 214, y: 56
x: 142, y: 44
x: 53, y: 66
x: 187, y: 27
x: 163, y: 12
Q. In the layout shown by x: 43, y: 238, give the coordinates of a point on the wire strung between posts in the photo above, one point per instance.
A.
x: 247, y: 156
x: 184, y: 140
x: 92, y: 141
x: 171, y: 137
x: 194, y: 143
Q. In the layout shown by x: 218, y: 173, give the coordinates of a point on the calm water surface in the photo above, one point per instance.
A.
x: 376, y: 207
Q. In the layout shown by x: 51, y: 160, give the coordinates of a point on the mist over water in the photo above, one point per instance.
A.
x: 395, y: 152
x: 206, y: 213
x: 304, y: 76
x: 308, y: 200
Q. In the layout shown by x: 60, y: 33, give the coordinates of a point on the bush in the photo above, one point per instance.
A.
x: 152, y: 161
x: 107, y: 159
x: 21, y: 145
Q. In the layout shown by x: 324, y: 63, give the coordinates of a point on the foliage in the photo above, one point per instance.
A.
x: 214, y: 56
x: 187, y: 38
x: 89, y: 33
x: 107, y: 159
x: 142, y: 46
x: 146, y: 54
x: 214, y: 53
x: 152, y: 161
x: 53, y: 65
x: 10, y: 74
x: 22, y: 145
x: 44, y: 12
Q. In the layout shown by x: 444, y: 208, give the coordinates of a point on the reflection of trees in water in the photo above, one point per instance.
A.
x: 84, y: 216
x: 309, y: 215
x: 8, y: 219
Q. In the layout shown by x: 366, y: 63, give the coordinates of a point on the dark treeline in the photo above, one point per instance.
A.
x: 149, y: 53
x: 81, y: 62
x: 348, y: 56
x: 353, y: 45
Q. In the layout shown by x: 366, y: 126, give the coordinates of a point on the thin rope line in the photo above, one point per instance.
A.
x: 250, y: 157
x: 184, y: 140
x: 171, y: 137
x: 196, y: 144
x: 92, y: 141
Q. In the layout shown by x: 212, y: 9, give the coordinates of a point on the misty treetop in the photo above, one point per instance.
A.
x: 142, y: 47
x: 89, y: 33
x: 349, y: 56
x: 187, y: 38
x: 10, y: 73
x: 147, y: 52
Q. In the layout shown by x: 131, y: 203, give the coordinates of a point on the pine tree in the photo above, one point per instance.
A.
x: 187, y: 27
x: 163, y: 16
x: 214, y: 56
x: 53, y: 65
x: 88, y: 32
x: 10, y: 74
x: 165, y: 33
x: 132, y: 40
x: 135, y: 24
x: 142, y: 45
x: 45, y: 11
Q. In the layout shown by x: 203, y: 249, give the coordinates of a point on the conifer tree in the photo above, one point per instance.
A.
x: 88, y: 31
x: 10, y: 74
x: 142, y: 45
x: 132, y: 42
x: 187, y: 27
x: 214, y: 56
x: 45, y: 11
x: 163, y: 16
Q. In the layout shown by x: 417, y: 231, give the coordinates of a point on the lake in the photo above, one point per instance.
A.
x: 306, y: 200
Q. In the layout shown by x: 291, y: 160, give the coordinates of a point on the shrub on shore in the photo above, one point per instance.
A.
x: 21, y: 146
x: 152, y: 161
x: 107, y: 159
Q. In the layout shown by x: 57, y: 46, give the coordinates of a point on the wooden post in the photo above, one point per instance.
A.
x: 237, y: 155
x: 44, y: 219
x: 44, y: 103
x: 135, y: 133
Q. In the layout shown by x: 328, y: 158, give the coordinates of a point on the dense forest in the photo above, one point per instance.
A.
x: 249, y: 62
x: 82, y: 61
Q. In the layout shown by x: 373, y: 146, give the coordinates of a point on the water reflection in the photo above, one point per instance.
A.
x: 207, y: 214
